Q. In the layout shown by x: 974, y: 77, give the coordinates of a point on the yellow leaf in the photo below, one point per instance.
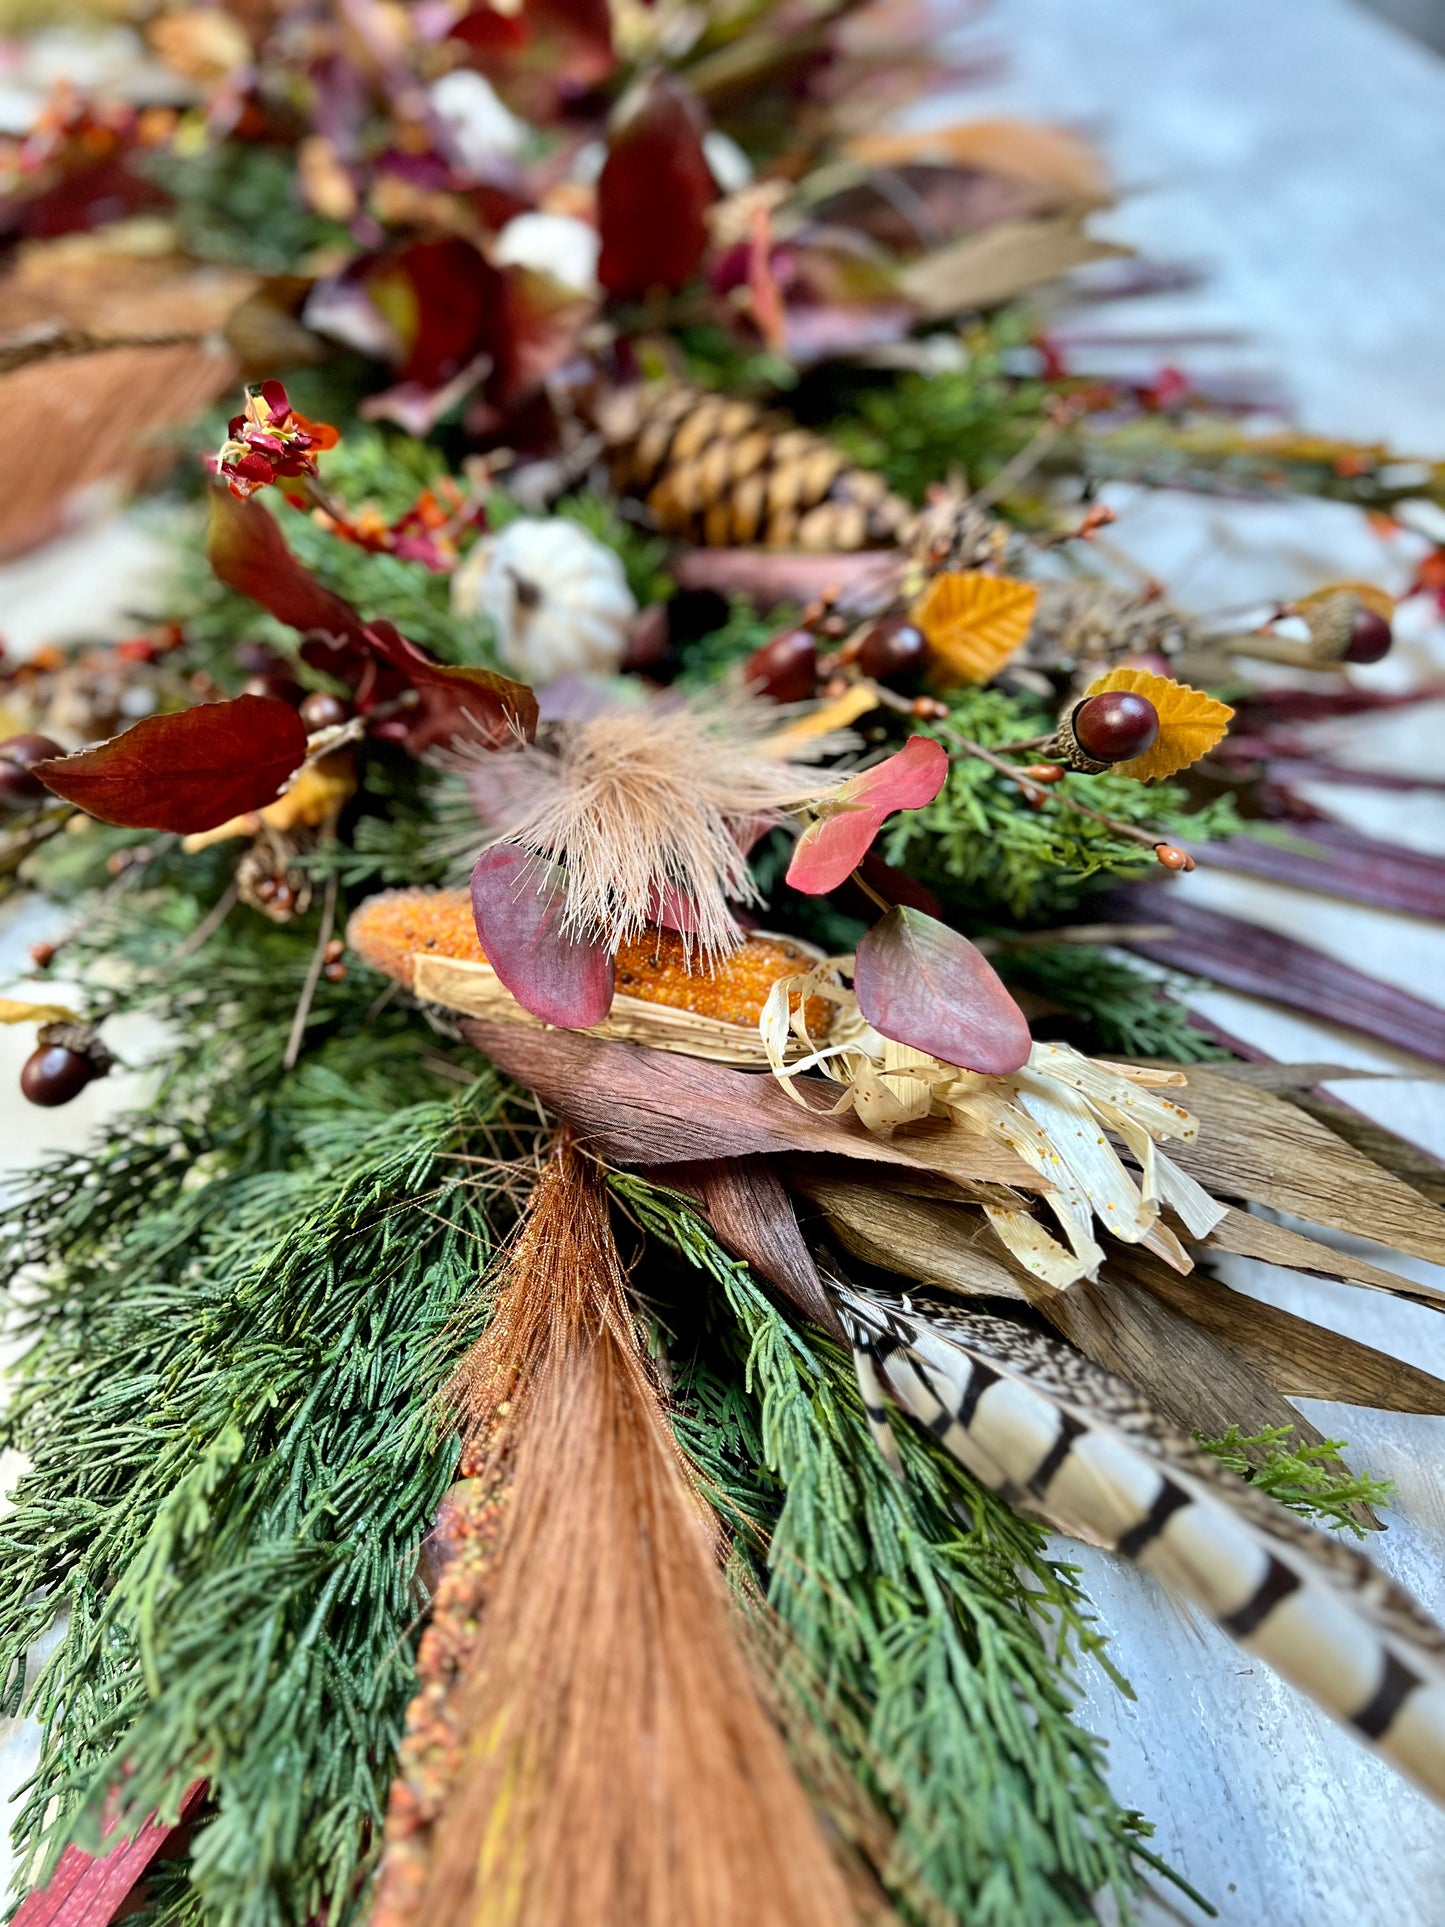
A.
x: 1190, y: 723
x: 974, y: 622
x: 14, y: 1012
x: 841, y: 713
x: 1377, y: 600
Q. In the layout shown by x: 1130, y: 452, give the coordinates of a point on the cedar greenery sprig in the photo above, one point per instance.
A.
x: 930, y: 1605
x: 235, y: 1456
x: 979, y: 839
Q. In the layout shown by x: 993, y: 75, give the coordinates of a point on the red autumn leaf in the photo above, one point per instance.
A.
x: 924, y: 985
x: 249, y: 554
x: 517, y: 903
x: 476, y: 704
x: 830, y: 849
x: 543, y: 55
x: 654, y: 191
x: 185, y: 772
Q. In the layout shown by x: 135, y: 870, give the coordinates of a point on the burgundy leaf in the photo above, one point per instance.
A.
x: 249, y: 554
x: 517, y: 903
x: 88, y: 1890
x: 185, y: 772
x: 866, y: 581
x: 924, y: 985
x: 654, y: 191
x: 476, y: 704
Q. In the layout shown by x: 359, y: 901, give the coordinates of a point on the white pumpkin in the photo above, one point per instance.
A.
x: 557, y: 598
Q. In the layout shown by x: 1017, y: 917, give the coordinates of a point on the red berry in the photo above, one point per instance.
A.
x: 786, y: 669
x: 893, y: 652
x: 54, y: 1075
x: 323, y: 711
x: 19, y: 786
x: 1370, y: 637
x: 1115, y: 726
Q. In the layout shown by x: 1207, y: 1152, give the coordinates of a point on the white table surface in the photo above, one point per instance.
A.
x: 1296, y: 151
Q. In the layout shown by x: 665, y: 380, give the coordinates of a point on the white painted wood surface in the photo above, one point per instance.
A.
x: 1296, y: 151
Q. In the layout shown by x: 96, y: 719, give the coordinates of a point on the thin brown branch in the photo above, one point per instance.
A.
x: 313, y: 976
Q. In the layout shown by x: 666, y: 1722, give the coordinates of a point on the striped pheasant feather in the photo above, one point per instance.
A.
x: 1081, y: 1449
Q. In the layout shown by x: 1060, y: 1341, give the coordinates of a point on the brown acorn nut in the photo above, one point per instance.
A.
x: 784, y: 669
x: 67, y: 1057
x: 20, y: 787
x: 1105, y: 729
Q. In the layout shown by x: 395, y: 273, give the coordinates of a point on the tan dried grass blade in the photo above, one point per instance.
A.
x: 616, y: 1762
x: 1254, y: 1146
x: 1276, y: 1244
x: 1294, y: 1356
x: 980, y: 271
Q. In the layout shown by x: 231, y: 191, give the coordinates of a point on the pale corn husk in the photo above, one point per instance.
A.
x: 1055, y: 1114
x: 475, y: 989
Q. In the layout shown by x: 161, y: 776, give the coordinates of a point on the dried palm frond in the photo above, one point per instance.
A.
x: 610, y: 1758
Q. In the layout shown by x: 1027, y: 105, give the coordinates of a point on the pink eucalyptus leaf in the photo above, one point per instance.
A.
x: 517, y: 901
x: 830, y: 850
x: 926, y: 986
x: 904, y: 781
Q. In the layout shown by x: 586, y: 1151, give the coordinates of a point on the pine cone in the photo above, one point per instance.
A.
x: 1088, y: 625
x: 728, y: 473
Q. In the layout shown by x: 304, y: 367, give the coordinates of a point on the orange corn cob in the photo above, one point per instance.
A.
x: 387, y: 932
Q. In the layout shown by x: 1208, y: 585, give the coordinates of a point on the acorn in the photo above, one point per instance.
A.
x: 20, y: 787
x: 1112, y: 727
x: 67, y: 1057
x: 1371, y: 636
x: 785, y: 670
x: 322, y: 710
x: 894, y: 653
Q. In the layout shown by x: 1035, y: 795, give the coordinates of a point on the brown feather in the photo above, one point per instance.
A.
x: 617, y: 1765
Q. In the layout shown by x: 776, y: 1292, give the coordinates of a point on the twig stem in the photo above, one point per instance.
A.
x: 313, y: 976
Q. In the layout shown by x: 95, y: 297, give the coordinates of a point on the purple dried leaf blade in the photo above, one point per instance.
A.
x: 1246, y: 957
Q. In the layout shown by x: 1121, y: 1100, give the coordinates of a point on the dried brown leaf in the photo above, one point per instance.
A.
x: 981, y: 271
x: 1295, y: 1356
x: 1276, y: 1244
x: 1254, y: 1146
x: 640, y: 1106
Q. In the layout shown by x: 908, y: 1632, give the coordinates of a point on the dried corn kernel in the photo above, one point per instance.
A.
x: 388, y: 931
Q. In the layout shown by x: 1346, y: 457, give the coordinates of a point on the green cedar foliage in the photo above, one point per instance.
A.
x: 981, y: 841
x: 240, y: 1304
x: 1302, y: 1476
